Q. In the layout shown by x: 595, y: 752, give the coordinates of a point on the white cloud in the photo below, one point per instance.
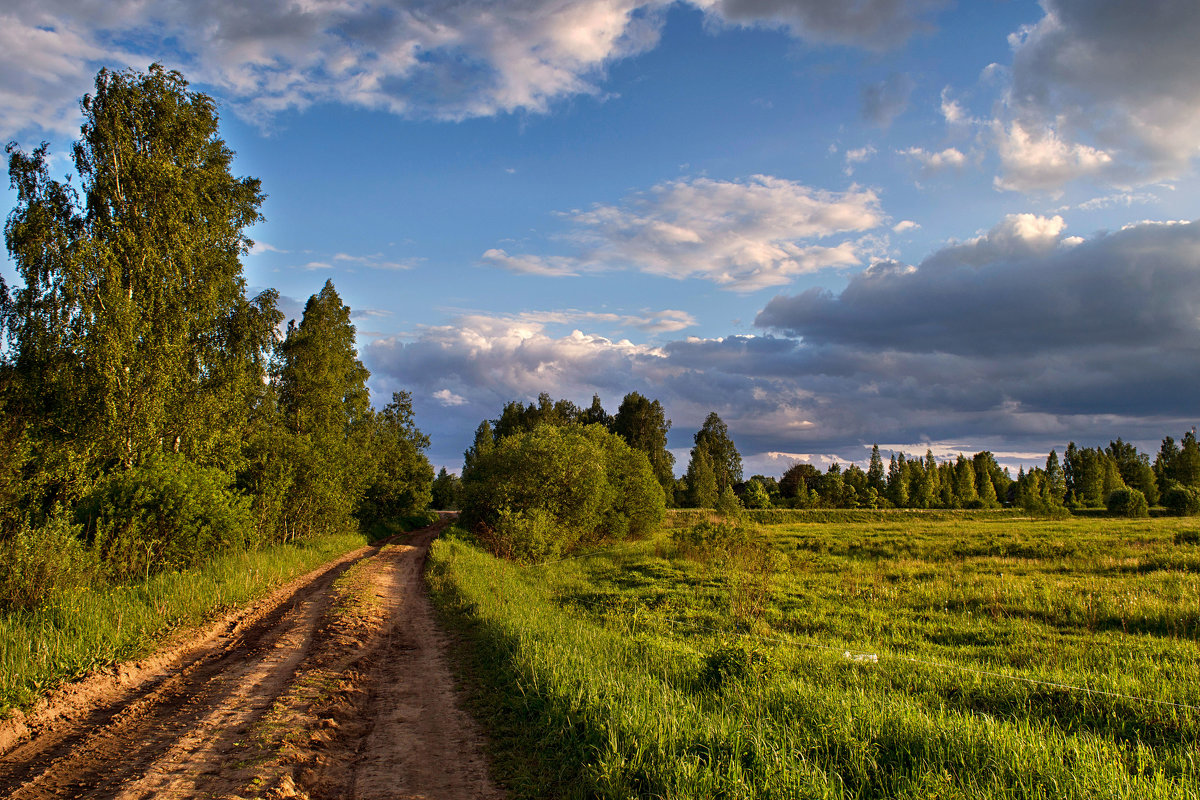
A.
x: 551, y: 266
x: 448, y: 398
x: 858, y: 156
x: 1125, y: 199
x: 419, y: 58
x: 932, y: 163
x: 262, y: 247
x: 373, y: 261
x: 667, y: 320
x: 742, y: 235
x: 1041, y: 161
x: 905, y: 225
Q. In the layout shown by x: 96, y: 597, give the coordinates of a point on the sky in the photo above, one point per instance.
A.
x: 917, y: 223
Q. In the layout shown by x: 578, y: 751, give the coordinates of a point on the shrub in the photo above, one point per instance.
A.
x: 167, y: 513
x: 1128, y: 503
x: 36, y: 562
x: 733, y: 663
x: 1181, y: 500
x: 709, y: 536
x: 539, y: 493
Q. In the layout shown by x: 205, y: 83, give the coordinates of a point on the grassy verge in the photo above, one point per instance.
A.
x: 883, y: 660
x: 86, y: 628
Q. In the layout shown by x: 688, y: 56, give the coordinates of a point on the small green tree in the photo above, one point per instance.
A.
x: 756, y: 495
x: 444, y: 494
x: 402, y: 475
x: 1128, y: 503
x: 701, y: 480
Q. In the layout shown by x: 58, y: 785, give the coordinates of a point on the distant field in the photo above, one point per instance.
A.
x: 909, y: 656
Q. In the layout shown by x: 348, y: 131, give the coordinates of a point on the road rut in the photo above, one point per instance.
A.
x: 337, y: 685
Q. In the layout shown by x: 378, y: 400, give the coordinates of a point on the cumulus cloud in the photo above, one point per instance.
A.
x: 419, y: 58
x: 449, y: 398
x: 1042, y: 161
x: 742, y: 235
x: 1102, y: 88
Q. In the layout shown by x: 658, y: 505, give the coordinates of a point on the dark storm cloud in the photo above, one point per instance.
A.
x: 1006, y: 293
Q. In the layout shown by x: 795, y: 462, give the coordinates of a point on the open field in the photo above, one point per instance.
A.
x: 989, y: 657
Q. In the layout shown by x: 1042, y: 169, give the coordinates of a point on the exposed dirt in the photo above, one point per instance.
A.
x: 335, y: 686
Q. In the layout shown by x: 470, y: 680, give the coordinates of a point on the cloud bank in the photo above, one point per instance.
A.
x: 418, y: 58
x: 1016, y: 339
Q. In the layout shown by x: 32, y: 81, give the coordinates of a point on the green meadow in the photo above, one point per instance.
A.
x: 898, y: 656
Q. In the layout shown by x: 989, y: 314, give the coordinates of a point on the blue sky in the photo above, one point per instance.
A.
x: 912, y: 222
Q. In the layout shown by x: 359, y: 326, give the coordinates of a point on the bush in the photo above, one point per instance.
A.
x: 539, y: 493
x: 166, y: 513
x: 1181, y: 500
x: 36, y: 562
x: 1128, y: 503
x: 710, y: 536
x: 734, y: 663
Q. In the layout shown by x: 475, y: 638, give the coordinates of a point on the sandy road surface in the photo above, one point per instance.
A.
x: 321, y: 690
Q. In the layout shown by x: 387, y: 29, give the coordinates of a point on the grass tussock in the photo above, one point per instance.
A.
x: 77, y: 629
x: 872, y: 670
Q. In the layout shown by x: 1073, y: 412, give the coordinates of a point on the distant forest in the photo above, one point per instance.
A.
x: 1117, y: 477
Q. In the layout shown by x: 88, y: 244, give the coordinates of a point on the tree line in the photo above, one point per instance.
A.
x: 151, y: 413
x: 1117, y: 477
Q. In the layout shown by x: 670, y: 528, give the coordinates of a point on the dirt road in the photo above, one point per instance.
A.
x: 335, y: 686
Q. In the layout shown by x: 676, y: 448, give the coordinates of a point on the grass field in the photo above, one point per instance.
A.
x: 89, y: 627
x: 985, y: 657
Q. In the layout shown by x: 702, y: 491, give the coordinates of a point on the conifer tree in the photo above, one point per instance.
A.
x: 1056, y: 482
x: 875, y: 471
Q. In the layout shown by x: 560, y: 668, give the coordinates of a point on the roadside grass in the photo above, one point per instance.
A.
x: 914, y: 658
x: 88, y: 628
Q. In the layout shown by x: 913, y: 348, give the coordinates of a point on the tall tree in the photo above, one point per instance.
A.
x: 875, y: 474
x: 713, y: 437
x: 595, y: 414
x: 1135, y: 469
x: 643, y: 425
x: 325, y: 405
x: 133, y: 306
x: 1056, y: 480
